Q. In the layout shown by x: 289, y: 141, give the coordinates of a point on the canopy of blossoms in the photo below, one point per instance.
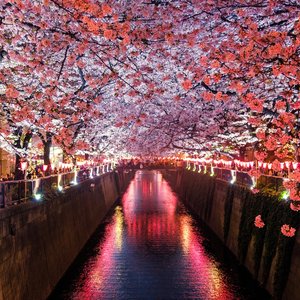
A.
x: 153, y: 76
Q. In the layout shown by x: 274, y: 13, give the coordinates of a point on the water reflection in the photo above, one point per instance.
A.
x: 151, y: 249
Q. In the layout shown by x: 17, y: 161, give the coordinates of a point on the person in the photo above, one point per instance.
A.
x: 40, y: 173
x: 29, y: 173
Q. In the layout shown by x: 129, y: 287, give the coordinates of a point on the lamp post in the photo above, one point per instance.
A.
x: 24, y: 165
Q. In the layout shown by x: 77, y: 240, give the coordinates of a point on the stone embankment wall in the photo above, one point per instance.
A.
x: 40, y: 240
x: 229, y: 211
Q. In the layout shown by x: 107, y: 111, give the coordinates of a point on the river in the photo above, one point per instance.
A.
x: 151, y: 247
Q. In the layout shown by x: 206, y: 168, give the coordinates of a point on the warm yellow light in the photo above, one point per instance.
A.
x: 119, y: 227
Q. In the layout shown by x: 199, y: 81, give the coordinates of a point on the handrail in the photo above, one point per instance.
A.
x: 14, y: 192
x: 237, y: 176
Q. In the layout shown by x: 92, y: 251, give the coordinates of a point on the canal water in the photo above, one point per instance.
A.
x: 151, y: 247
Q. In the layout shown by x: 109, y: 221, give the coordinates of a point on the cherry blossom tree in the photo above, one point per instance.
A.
x: 153, y: 76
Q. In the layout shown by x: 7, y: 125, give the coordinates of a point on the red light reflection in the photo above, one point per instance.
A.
x: 152, y: 222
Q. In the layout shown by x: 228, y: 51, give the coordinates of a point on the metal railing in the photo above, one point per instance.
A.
x: 20, y: 191
x: 237, y: 176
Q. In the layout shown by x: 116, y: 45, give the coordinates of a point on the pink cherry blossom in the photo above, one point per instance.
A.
x: 255, y: 191
x: 259, y: 222
x: 294, y: 206
x: 287, y: 230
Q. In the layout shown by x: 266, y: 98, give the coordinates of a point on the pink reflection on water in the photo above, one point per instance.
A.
x: 210, y: 279
x: 150, y: 219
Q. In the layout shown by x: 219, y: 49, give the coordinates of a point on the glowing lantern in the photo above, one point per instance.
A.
x: 295, y: 165
x: 45, y: 167
x: 23, y: 165
x: 199, y: 170
x: 260, y: 164
x: 233, y: 176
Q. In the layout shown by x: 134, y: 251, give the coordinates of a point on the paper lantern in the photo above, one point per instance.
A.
x: 23, y: 165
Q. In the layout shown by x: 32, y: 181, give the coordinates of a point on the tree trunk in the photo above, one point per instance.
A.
x: 74, y: 160
x: 47, y: 145
x: 47, y: 153
x: 18, y: 172
x: 19, y: 175
x: 65, y: 156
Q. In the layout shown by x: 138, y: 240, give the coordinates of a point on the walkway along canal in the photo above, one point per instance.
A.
x: 151, y: 247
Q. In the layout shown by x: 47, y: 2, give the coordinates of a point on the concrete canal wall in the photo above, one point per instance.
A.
x: 40, y: 240
x: 221, y: 206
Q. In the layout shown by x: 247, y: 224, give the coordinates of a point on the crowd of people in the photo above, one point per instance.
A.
x: 34, y: 172
x: 7, y: 177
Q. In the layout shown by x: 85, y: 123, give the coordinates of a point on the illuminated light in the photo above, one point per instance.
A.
x: 119, y: 220
x: 269, y: 166
x: 265, y: 165
x: 98, y: 171
x: 253, y: 183
x: 185, y: 233
x: 260, y: 164
x: 23, y: 165
x: 281, y: 166
x: 45, y: 167
x: 295, y: 165
x: 212, y: 173
x: 37, y: 197
x: 199, y: 168
x: 36, y: 184
x: 194, y: 169
x: 91, y: 173
x: 233, y: 176
x: 251, y: 164
x: 284, y: 195
x: 287, y: 164
x: 74, y: 181
x: 60, y: 188
x: 205, y: 169
x: 59, y: 177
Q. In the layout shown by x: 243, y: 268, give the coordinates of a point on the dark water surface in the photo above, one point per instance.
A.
x: 150, y: 247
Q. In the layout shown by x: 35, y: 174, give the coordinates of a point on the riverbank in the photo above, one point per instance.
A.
x: 229, y: 211
x: 39, y: 240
